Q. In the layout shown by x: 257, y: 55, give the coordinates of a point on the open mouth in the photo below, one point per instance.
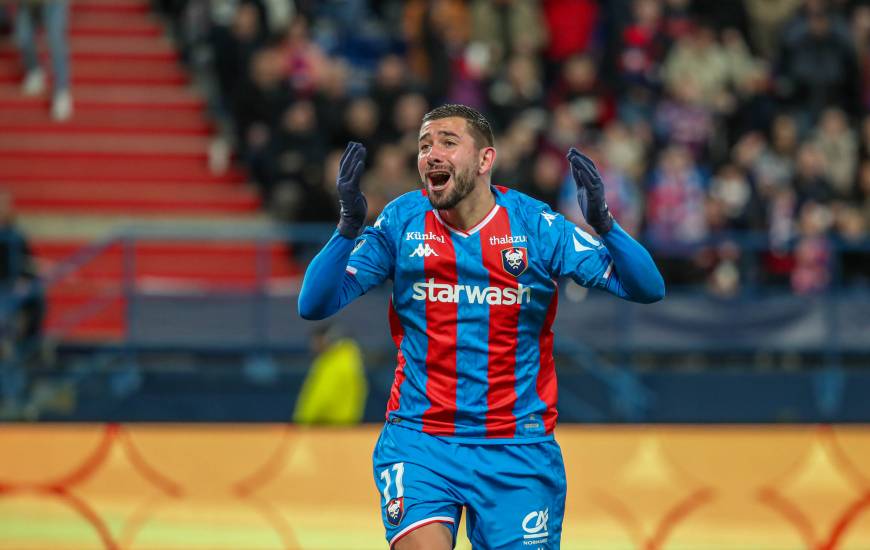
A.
x: 438, y: 180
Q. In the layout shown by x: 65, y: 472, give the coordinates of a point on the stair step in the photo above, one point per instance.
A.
x: 103, y: 144
x: 37, y: 119
x: 104, y: 47
x: 145, y: 191
x: 107, y: 23
x: 111, y: 97
x: 107, y: 72
x: 111, y: 6
x: 121, y: 196
x: 112, y: 169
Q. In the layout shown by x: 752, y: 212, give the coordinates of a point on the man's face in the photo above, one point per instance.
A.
x: 448, y: 161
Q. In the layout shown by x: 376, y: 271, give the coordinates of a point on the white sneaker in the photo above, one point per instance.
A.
x: 62, y: 106
x: 34, y: 82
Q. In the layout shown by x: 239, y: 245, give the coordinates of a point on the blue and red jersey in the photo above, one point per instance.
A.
x: 471, y: 311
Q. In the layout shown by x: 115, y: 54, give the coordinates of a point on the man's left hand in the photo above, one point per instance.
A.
x: 590, y: 192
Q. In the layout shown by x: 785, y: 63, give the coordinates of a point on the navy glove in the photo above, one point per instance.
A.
x: 353, y: 202
x: 590, y: 192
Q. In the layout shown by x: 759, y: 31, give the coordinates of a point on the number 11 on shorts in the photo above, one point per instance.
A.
x: 395, y: 507
x: 399, y: 468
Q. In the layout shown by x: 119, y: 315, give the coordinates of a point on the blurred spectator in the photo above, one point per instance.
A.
x: 508, y: 27
x: 21, y: 298
x: 516, y: 154
x: 335, y: 388
x: 303, y: 59
x: 388, y: 178
x: 837, y: 144
x: 516, y: 90
x: 811, y: 183
x: 407, y: 114
x: 812, y: 270
x: 861, y: 40
x: 261, y: 98
x: 644, y: 46
x: 436, y: 33
x: 297, y: 151
x: 547, y: 176
x: 55, y: 15
x: 681, y: 119
x: 817, y: 66
x: 391, y: 82
x: 580, y: 87
x: 675, y: 201
x: 571, y: 26
x: 766, y: 20
x: 361, y: 124
x: 737, y: 202
x: 234, y: 45
x: 699, y: 57
x: 331, y: 101
x: 626, y: 148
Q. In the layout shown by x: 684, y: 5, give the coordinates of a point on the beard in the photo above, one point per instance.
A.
x: 463, y: 185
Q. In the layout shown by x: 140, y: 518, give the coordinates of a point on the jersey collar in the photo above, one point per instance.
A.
x: 474, y: 229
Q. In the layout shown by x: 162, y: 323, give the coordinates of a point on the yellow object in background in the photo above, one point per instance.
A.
x: 335, y: 389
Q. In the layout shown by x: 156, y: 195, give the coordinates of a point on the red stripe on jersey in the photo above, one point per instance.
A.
x: 441, y: 319
x: 548, y: 392
x: 503, y: 322
x: 398, y: 332
x: 502, y: 188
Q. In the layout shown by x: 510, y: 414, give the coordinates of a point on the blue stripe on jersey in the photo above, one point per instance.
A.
x: 528, y: 353
x: 412, y: 313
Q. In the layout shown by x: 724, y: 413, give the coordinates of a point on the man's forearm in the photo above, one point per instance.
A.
x: 636, y: 271
x: 327, y: 287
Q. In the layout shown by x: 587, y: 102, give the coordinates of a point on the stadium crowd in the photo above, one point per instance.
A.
x: 733, y: 136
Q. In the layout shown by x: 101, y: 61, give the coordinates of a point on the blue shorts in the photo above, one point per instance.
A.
x: 514, y: 494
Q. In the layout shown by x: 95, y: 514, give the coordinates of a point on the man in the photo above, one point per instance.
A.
x: 335, y: 388
x: 473, y: 406
x: 56, y: 17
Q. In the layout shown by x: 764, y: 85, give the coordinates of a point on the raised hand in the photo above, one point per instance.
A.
x: 353, y: 202
x: 590, y: 192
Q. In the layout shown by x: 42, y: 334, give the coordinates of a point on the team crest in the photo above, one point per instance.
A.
x: 515, y: 260
x: 396, y: 510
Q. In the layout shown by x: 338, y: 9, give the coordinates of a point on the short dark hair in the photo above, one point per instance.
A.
x: 478, y: 126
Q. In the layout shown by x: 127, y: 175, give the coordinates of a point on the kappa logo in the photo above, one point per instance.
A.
x: 359, y: 244
x: 535, y: 527
x: 549, y: 217
x: 423, y: 250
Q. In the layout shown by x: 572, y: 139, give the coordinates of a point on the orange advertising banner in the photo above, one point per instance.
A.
x: 283, y: 487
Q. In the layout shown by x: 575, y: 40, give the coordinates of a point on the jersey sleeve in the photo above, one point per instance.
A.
x: 571, y: 252
x: 616, y: 263
x: 345, y: 269
x: 373, y: 259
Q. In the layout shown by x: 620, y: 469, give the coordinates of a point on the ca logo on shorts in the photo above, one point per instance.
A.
x: 535, y: 526
x: 396, y: 510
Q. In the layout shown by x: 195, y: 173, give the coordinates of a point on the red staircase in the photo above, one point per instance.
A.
x: 136, y: 149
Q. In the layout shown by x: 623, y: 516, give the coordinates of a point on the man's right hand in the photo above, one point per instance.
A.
x: 353, y: 202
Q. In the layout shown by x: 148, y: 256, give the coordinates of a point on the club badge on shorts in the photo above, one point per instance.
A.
x: 515, y: 260
x: 396, y: 510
